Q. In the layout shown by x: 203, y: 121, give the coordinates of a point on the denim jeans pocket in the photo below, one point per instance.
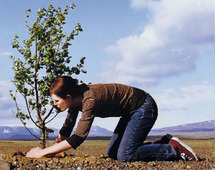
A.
x: 149, y: 108
x: 148, y: 111
x: 145, y: 111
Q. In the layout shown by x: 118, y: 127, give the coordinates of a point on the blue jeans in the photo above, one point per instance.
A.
x: 126, y: 143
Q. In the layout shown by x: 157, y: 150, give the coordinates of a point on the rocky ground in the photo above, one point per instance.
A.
x: 18, y: 161
x: 83, y: 159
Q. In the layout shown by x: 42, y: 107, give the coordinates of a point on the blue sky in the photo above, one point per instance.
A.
x: 165, y: 47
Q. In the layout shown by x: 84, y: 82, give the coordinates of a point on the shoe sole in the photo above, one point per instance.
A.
x: 186, y: 146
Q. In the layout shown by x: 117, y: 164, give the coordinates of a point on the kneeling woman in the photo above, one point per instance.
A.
x: 138, y: 112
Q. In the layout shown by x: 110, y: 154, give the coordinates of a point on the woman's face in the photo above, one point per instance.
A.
x: 60, y: 102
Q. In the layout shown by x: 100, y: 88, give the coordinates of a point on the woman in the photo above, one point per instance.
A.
x: 138, y: 112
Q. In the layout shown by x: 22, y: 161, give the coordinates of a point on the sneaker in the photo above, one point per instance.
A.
x: 165, y: 139
x: 184, y: 151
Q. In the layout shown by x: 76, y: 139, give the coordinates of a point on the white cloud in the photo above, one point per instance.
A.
x: 6, y: 53
x: 6, y: 102
x: 182, y: 98
x: 168, y: 45
x: 140, y: 4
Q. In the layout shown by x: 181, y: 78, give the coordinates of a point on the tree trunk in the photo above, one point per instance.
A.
x: 43, y: 136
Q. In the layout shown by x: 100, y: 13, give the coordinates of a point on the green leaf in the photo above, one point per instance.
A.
x: 72, y: 6
x: 82, y: 60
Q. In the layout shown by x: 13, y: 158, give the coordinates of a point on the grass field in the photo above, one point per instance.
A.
x: 91, y: 155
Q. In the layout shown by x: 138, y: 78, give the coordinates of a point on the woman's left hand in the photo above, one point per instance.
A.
x: 35, y: 153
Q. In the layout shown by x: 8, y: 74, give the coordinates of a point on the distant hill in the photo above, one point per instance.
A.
x: 19, y: 132
x: 200, y: 130
x: 98, y: 131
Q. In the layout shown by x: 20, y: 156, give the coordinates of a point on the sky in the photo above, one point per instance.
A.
x: 165, y: 47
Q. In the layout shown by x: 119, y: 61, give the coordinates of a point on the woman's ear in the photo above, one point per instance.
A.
x: 68, y: 96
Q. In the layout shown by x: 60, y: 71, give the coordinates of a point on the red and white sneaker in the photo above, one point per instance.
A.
x: 185, y: 152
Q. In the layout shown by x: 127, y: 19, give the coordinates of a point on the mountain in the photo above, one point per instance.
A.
x: 200, y: 130
x: 19, y: 132
x: 98, y: 131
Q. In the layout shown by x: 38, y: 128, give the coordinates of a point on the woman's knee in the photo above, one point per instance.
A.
x: 124, y: 157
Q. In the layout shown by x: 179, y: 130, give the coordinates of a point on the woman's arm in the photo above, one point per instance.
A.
x: 38, y: 152
x: 69, y: 123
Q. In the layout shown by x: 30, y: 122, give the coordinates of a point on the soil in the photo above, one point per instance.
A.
x: 84, y: 159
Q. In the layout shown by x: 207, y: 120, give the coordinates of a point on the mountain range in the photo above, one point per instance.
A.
x: 198, y: 130
x: 20, y: 132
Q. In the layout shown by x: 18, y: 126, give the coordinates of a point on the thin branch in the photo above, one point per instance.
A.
x: 35, y: 82
x: 26, y: 127
x: 60, y: 41
x: 48, y: 114
x: 26, y: 102
x: 29, y: 130
x: 52, y: 118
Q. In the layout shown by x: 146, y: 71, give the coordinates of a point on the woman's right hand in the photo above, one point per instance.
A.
x: 59, y: 138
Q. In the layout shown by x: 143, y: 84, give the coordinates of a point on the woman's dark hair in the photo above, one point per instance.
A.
x: 67, y: 85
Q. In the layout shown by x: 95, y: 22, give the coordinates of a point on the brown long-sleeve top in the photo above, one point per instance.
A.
x: 101, y: 100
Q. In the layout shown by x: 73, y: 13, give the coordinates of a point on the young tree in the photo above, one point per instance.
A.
x: 45, y: 57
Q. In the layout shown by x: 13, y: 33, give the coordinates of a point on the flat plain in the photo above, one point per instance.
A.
x: 92, y: 155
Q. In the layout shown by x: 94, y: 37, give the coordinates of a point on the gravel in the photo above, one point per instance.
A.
x: 18, y: 161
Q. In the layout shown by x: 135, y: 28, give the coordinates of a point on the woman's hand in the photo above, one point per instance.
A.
x: 58, y: 147
x: 35, y: 153
x: 59, y: 138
